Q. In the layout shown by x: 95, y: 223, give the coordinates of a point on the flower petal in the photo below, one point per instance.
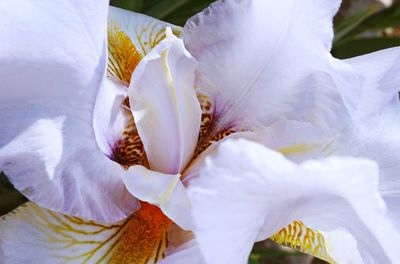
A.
x: 377, y: 137
x: 381, y: 72
x: 164, y: 190
x: 165, y: 107
x: 257, y: 58
x: 247, y: 192
x: 34, y: 235
x: 116, y: 133
x: 333, y: 247
x: 187, y: 253
x: 297, y: 141
x: 48, y: 146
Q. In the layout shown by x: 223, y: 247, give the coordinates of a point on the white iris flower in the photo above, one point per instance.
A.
x: 174, y: 145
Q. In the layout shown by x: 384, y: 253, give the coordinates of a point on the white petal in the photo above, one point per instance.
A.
x: 342, y: 247
x: 258, y: 59
x: 109, y: 119
x: 246, y: 189
x: 381, y: 83
x: 48, y: 145
x: 165, y: 107
x: 377, y: 137
x: 163, y: 190
x: 297, y: 141
x: 32, y: 234
x: 187, y: 253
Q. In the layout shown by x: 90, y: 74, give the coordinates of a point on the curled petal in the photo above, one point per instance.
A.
x: 165, y: 107
x: 163, y: 190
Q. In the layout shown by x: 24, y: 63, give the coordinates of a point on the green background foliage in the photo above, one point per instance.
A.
x: 362, y: 26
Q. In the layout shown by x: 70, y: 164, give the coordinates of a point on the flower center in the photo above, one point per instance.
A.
x: 144, y: 237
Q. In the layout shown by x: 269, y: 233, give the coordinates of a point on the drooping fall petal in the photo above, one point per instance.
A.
x: 48, y: 145
x: 35, y: 235
x: 247, y: 192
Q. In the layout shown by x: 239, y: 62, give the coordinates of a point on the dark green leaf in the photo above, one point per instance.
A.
x: 132, y: 5
x: 164, y: 8
x: 9, y: 197
x: 362, y: 46
x: 346, y: 26
x: 389, y: 17
x: 186, y: 11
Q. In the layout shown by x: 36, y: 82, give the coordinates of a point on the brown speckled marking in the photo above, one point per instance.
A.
x: 129, y: 150
x: 209, y: 131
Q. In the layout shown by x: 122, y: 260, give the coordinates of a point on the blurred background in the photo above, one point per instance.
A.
x: 361, y: 26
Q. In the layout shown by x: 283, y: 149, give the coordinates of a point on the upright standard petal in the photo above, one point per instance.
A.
x: 247, y: 192
x: 258, y: 58
x: 48, y: 92
x: 165, y: 107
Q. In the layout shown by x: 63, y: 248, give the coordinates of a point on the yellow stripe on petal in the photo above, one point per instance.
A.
x: 32, y: 234
x: 298, y: 149
x: 123, y: 56
x: 151, y: 35
x: 303, y: 239
x: 126, y: 49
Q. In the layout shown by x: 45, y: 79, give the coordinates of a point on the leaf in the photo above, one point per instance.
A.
x: 360, y: 46
x: 9, y: 197
x: 389, y: 17
x: 186, y: 11
x: 163, y: 8
x: 345, y: 27
x: 132, y: 5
